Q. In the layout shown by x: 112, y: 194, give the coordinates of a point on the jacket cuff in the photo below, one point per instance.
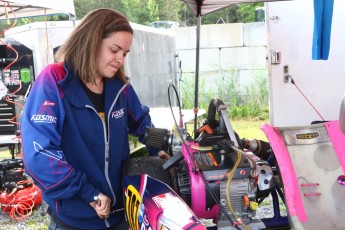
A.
x: 88, y: 192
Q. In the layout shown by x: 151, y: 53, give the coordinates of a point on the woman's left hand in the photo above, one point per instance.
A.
x: 102, y: 205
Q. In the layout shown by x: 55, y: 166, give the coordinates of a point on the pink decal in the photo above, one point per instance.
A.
x: 45, y: 108
x: 292, y: 193
x: 338, y: 141
x: 57, y: 169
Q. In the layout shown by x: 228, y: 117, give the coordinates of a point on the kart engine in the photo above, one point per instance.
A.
x: 219, y: 175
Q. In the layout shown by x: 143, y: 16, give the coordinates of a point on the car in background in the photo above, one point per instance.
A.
x: 164, y: 24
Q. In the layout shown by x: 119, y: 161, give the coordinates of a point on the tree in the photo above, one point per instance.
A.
x: 152, y: 9
x: 22, y: 21
x: 141, y: 12
x: 82, y: 7
x: 244, y: 13
x: 169, y: 10
x: 186, y: 16
x: 146, y: 11
x: 225, y: 15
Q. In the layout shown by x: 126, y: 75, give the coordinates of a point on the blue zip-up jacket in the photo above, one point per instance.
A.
x: 67, y: 149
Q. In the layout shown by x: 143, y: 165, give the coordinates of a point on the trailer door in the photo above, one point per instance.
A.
x: 290, y: 26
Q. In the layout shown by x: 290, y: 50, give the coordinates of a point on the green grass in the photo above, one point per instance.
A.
x: 5, y: 154
x: 249, y: 128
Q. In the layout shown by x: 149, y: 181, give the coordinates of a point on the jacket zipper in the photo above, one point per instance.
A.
x: 107, y: 138
x: 106, y: 164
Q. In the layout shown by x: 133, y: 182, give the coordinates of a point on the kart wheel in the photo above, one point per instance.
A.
x: 150, y: 165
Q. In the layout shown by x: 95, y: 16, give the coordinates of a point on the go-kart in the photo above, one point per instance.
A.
x: 215, y: 180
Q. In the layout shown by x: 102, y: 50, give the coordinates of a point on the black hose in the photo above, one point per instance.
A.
x: 211, y: 113
x: 212, y: 108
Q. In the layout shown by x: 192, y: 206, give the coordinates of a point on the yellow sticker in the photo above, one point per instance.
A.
x: 133, y: 202
x: 307, y: 135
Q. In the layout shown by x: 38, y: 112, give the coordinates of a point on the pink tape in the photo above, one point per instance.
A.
x: 338, y: 140
x: 289, y: 177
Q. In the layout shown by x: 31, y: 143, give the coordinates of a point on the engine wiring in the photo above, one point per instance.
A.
x: 195, y: 167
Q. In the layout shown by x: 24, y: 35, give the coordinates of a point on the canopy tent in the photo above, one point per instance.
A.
x: 323, y: 19
x: 29, y: 8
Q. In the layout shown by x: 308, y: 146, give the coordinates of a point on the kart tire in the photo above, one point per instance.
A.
x: 150, y: 165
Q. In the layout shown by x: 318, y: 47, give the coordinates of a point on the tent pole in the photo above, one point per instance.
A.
x: 197, y: 74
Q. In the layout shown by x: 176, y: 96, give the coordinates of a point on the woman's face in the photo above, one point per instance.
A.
x: 112, y: 53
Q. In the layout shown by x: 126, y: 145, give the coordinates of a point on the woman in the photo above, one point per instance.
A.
x: 76, y: 121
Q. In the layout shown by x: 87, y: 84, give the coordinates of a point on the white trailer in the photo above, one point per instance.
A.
x: 290, y: 26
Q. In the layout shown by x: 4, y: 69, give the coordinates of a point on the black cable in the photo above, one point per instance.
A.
x: 280, y: 193
x: 178, y: 101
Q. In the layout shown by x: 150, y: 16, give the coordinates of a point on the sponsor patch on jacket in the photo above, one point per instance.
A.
x: 117, y: 114
x: 44, y: 114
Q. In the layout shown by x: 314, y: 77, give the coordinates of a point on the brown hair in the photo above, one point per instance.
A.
x: 81, y: 49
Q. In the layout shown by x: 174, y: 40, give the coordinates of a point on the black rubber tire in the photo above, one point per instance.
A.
x: 150, y: 165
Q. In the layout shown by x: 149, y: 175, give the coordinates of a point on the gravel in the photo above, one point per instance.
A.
x: 38, y: 220
x: 265, y: 209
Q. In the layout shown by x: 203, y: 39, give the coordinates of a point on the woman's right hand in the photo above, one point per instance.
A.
x: 102, y: 205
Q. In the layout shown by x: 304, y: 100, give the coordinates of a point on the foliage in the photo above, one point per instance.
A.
x: 169, y: 10
x: 253, y: 102
x: 139, y: 153
x: 141, y: 12
x: 82, y: 7
x: 187, y: 91
x: 147, y: 11
x: 225, y: 15
x: 244, y: 13
x: 258, y: 95
x: 186, y: 16
x: 5, y: 25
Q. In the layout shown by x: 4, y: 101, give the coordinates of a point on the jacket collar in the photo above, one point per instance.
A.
x: 74, y: 92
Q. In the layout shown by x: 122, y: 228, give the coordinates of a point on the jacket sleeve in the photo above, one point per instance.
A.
x: 138, y: 117
x: 41, y: 125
